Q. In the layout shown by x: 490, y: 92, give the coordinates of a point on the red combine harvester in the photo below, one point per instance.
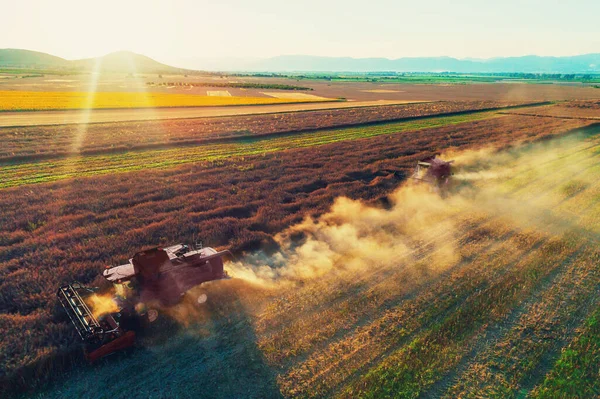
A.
x: 155, y: 277
x: 435, y: 172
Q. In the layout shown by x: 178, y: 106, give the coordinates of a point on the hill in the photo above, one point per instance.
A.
x: 120, y: 61
x: 10, y: 57
x: 125, y: 61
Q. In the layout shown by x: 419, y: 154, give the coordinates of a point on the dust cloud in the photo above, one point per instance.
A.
x: 102, y: 304
x: 355, y: 236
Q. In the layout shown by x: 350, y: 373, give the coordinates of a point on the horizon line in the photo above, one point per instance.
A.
x: 474, y: 59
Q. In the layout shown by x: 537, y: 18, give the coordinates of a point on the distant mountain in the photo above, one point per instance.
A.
x: 121, y: 61
x: 11, y: 57
x: 128, y: 62
x: 589, y: 63
x: 125, y: 61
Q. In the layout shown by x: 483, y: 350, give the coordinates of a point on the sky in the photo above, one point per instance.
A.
x: 182, y: 30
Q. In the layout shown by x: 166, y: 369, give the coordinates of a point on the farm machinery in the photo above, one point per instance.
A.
x: 152, y: 279
x: 435, y: 172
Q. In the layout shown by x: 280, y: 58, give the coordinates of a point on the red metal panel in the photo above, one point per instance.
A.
x: 125, y: 341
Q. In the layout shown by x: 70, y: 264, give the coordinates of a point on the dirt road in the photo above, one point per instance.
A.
x: 8, y: 119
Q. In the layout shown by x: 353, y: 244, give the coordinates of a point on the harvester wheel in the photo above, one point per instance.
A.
x: 152, y: 315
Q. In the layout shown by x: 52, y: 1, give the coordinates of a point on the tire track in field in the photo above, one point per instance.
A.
x: 548, y: 360
x: 489, y: 283
x: 535, y: 327
x: 493, y: 335
x: 387, y: 303
x: 477, y: 281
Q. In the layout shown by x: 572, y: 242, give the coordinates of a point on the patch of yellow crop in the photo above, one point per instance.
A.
x: 49, y: 100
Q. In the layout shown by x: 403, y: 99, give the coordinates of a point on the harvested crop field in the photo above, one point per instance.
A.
x: 574, y: 109
x: 380, y: 279
x: 45, y: 118
x: 381, y: 91
x: 294, y: 96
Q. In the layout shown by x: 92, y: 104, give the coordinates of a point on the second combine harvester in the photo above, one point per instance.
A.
x: 435, y: 172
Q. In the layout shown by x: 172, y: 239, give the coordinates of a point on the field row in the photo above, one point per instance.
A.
x: 575, y: 373
x: 86, y: 166
x: 573, y: 109
x: 52, y: 141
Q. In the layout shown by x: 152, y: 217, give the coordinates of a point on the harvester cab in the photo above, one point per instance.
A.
x: 158, y: 277
x: 434, y: 171
x: 164, y: 275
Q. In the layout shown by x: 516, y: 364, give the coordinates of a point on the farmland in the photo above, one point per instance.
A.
x: 351, y: 90
x: 444, y: 78
x: 573, y: 109
x: 277, y: 200
x: 230, y: 84
x: 436, y: 285
x: 57, y: 100
x: 38, y: 172
x: 53, y: 141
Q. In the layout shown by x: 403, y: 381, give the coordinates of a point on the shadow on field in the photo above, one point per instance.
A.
x: 209, y: 352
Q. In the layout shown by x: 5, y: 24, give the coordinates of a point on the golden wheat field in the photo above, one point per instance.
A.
x: 55, y: 100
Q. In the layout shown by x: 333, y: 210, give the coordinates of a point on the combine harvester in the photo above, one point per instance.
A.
x: 155, y: 277
x: 435, y: 172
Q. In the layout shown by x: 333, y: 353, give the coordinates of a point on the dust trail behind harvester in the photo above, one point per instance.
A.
x: 354, y: 236
x: 530, y: 186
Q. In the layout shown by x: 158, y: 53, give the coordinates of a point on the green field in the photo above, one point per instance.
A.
x: 445, y: 77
